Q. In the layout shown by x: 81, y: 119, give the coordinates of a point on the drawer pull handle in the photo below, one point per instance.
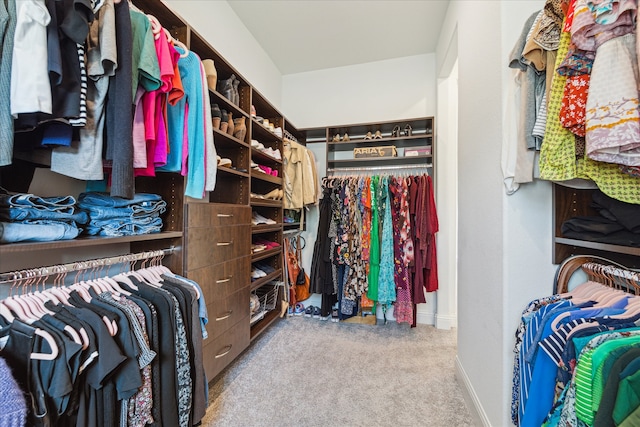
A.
x: 224, y: 280
x: 225, y: 215
x: 226, y: 316
x: 225, y: 243
x: 224, y: 353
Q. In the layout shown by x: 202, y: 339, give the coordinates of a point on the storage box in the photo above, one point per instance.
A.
x: 417, y: 151
x: 371, y: 152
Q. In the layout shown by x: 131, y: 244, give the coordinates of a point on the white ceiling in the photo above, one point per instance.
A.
x: 306, y: 35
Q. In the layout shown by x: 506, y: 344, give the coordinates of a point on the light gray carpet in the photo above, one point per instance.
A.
x: 308, y: 372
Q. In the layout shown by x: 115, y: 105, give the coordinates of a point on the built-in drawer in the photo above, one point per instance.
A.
x: 219, y: 352
x: 224, y: 313
x: 217, y: 215
x: 207, y: 246
x: 218, y: 281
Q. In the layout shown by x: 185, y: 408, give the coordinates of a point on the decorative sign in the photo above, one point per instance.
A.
x: 369, y: 152
x: 417, y: 151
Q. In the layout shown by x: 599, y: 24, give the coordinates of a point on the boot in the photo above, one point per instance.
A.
x: 211, y: 73
x: 225, y: 87
x: 230, y: 126
x: 236, y: 92
x: 240, y: 128
x: 224, y: 121
x: 216, y: 116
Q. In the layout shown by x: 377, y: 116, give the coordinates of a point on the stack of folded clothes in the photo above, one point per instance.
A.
x: 31, y: 218
x: 115, y: 216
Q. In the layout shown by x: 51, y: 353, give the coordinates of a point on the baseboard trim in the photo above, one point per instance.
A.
x: 446, y: 321
x: 425, y: 318
x: 471, y: 398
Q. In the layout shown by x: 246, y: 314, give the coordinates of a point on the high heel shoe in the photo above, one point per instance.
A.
x: 224, y: 121
x: 378, y: 135
x: 408, y: 131
x: 346, y: 137
x: 336, y: 138
x: 216, y: 116
x: 368, y: 136
x: 395, y: 133
x: 240, y: 128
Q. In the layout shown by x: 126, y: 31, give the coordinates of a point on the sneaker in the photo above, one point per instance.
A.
x: 316, y: 312
x: 308, y: 312
x: 257, y: 144
x: 256, y: 273
x: 277, y: 131
x: 334, y: 315
x: 298, y: 310
x: 259, y: 219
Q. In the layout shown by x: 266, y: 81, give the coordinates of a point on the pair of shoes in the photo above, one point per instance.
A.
x: 336, y: 138
x: 377, y: 135
x: 334, y: 315
x: 267, y: 243
x: 229, y: 88
x: 298, y: 309
x: 278, y: 132
x: 268, y: 170
x: 264, y: 267
x: 395, y: 133
x: 216, y: 116
x: 223, y: 161
x: 257, y: 273
x: 269, y: 126
x: 239, y: 128
x: 272, y: 153
x: 275, y: 194
x: 257, y: 144
x: 312, y: 311
x: 408, y: 130
x: 257, y: 219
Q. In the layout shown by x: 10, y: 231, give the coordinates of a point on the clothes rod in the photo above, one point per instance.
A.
x: 375, y: 168
x: 39, y: 272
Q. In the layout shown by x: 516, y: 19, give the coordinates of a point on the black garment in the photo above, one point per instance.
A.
x: 599, y: 229
x: 321, y: 277
x: 119, y: 111
x: 167, y: 354
x: 625, y: 214
x: 192, y: 317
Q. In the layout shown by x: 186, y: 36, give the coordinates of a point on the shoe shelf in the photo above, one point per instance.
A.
x: 423, y: 127
x: 268, y: 278
x: 291, y: 224
x: 407, y: 141
x: 381, y: 161
x: 260, y: 157
x: 257, y: 256
x: 265, y: 228
x: 223, y: 139
x: 270, y: 203
x: 224, y: 170
x: 224, y: 103
x: 264, y: 135
x: 267, y: 178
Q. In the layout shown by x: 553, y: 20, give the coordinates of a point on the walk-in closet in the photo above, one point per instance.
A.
x: 258, y: 213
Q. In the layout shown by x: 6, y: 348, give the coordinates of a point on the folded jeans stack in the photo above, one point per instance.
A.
x: 115, y: 216
x: 30, y: 218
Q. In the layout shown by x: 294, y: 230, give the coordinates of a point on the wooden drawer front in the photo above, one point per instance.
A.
x: 219, y: 281
x: 217, y: 215
x: 207, y: 246
x: 223, y: 313
x: 219, y: 352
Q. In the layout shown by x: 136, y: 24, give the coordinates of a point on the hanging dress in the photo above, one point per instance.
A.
x: 374, y: 248
x: 386, y: 285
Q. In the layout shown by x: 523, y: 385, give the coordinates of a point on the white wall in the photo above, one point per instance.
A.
x: 221, y: 27
x: 504, y: 243
x: 376, y: 91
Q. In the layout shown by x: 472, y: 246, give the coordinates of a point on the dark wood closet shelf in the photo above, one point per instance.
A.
x: 266, y: 254
x: 263, y: 134
x: 628, y: 250
x: 269, y: 277
x: 86, y: 241
x: 291, y: 224
x: 257, y: 229
x: 260, y: 157
x: 414, y: 140
x: 223, y: 139
x: 226, y: 170
x: 225, y: 104
x: 270, y: 203
x: 269, y: 317
x: 417, y: 160
x: 264, y: 177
